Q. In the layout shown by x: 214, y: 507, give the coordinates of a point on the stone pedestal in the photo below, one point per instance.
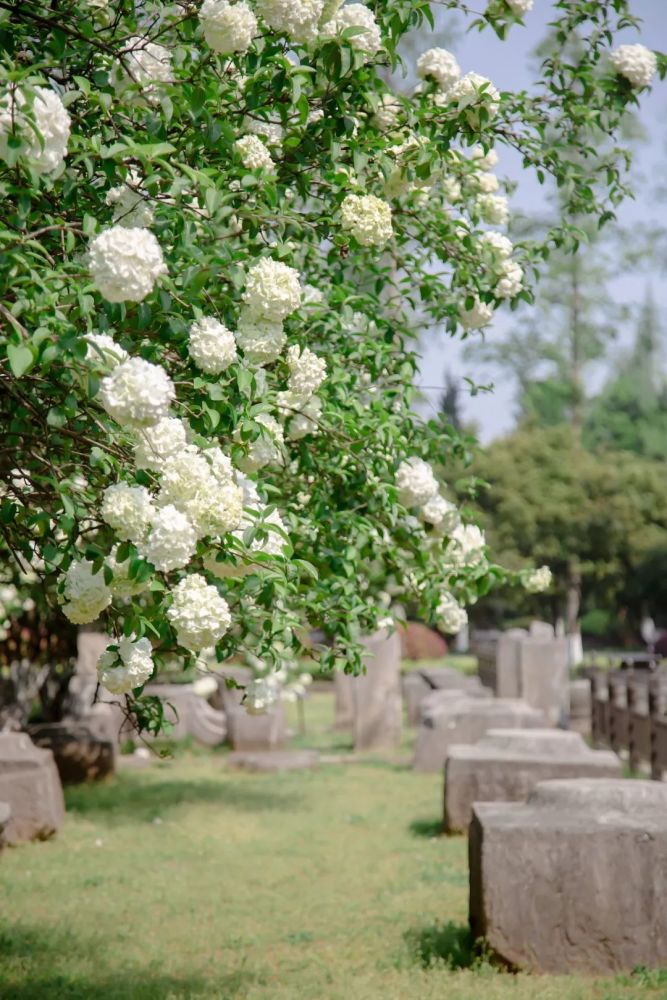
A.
x: 419, y: 683
x: 256, y: 732
x: 344, y: 700
x: 506, y: 764
x: 30, y: 785
x: 581, y: 707
x: 377, y: 694
x: 544, y: 675
x: 230, y: 697
x: 574, y: 880
x: 506, y: 675
x: 449, y: 717
x: 190, y: 714
x: 80, y: 753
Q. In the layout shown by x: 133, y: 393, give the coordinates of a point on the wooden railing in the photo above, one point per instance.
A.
x: 629, y: 712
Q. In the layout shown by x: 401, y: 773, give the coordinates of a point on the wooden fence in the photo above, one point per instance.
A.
x: 629, y: 712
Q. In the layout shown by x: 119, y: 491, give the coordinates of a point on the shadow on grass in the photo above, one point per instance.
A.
x: 450, y: 943
x: 427, y: 828
x: 130, y: 797
x: 33, y: 965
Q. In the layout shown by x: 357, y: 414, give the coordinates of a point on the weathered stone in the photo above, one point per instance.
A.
x: 581, y: 707
x: 504, y: 678
x: 544, y: 675
x: 30, y: 785
x: 483, y: 645
x: 377, y: 694
x: 575, y: 879
x: 449, y: 717
x: 419, y: 642
x: 344, y: 700
x: 90, y: 644
x: 190, y: 715
x: 274, y: 760
x: 230, y: 697
x: 5, y: 815
x: 417, y: 684
x: 506, y: 764
x: 80, y: 754
x: 256, y: 732
x: 541, y: 630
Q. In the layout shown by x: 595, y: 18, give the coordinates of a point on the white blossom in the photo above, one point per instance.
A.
x: 368, y: 219
x: 496, y: 246
x: 636, y: 63
x: 128, y: 510
x: 260, y: 340
x: 451, y: 616
x: 137, y: 393
x: 441, y: 513
x: 267, y: 449
x: 85, y: 593
x: 519, y: 7
x: 130, y: 207
x: 537, y: 580
x: 307, y: 371
x: 439, y: 65
x: 157, y: 443
x: 270, y: 132
x: 298, y: 19
x: 416, y: 482
x: 228, y: 27
x: 125, y: 263
x: 172, y: 541
x: 272, y: 290
x: 387, y: 112
x: 451, y: 189
x: 477, y: 317
x: 260, y: 696
x: 484, y: 161
x: 510, y: 280
x: 355, y: 15
x: 127, y: 666
x: 306, y: 420
x: 493, y: 209
x: 466, y: 546
x: 198, y: 614
x: 253, y: 153
x: 485, y: 182
x: 470, y: 93
x: 145, y: 63
x: 213, y: 504
x: 46, y: 135
x: 211, y: 346
x: 103, y: 352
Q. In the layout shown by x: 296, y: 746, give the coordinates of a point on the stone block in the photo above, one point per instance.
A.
x: 417, y: 684
x: 506, y: 764
x: 377, y: 694
x: 581, y: 706
x: 30, y: 785
x: 256, y: 732
x: 505, y: 679
x: 544, y: 676
x: 344, y: 700
x: 190, y: 715
x: 230, y: 697
x: 274, y: 760
x: 575, y: 879
x: 449, y: 717
x: 5, y: 816
x: 80, y: 753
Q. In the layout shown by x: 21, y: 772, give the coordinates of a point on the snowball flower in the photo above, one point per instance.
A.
x: 85, y: 593
x: 228, y: 27
x: 442, y: 514
x: 137, y: 393
x: 471, y: 92
x: 486, y: 183
x: 212, y: 504
x: 537, y: 580
x: 511, y: 280
x: 387, y: 112
x: 172, y: 541
x: 466, y: 546
x: 636, y: 63
x: 416, y: 482
x: 496, y: 246
x: 260, y: 340
x: 103, y: 351
x: 451, y: 616
x: 122, y: 585
x: 147, y: 64
x: 493, y: 209
x: 484, y: 161
x: 158, y: 442
x: 368, y: 219
x: 477, y: 317
x: 439, y: 65
x: 519, y: 7
x: 130, y: 208
x: 125, y: 263
x: 46, y: 135
x: 307, y: 371
x: 126, y: 666
x: 270, y: 132
x: 253, y: 153
x: 306, y: 420
x: 212, y: 346
x: 128, y: 510
x: 355, y: 15
x: 199, y: 615
x: 267, y: 448
x: 272, y: 290
x: 298, y: 19
x: 260, y: 695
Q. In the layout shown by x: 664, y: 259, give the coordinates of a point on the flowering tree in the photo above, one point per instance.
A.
x: 219, y: 228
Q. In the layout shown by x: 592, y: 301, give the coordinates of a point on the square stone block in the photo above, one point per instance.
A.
x: 378, y: 708
x: 506, y: 764
x: 419, y: 683
x: 574, y: 879
x: 256, y: 732
x: 81, y: 752
x: 190, y: 714
x: 449, y: 717
x: 30, y: 785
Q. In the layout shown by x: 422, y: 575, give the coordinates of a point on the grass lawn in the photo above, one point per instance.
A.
x: 185, y: 880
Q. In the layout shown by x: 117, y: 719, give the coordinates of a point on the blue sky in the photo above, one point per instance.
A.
x: 508, y: 65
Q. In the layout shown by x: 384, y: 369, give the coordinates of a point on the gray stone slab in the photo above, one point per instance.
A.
x: 574, y: 879
x: 80, y: 753
x: 344, y: 700
x: 30, y: 784
x: 581, y: 707
x: 506, y: 764
x: 190, y: 715
x: 5, y: 815
x: 449, y: 717
x: 544, y: 675
x: 378, y: 707
x: 274, y: 760
x: 256, y: 732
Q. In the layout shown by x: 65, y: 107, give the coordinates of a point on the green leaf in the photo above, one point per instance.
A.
x: 21, y: 358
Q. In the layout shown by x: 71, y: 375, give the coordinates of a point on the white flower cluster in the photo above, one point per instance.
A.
x: 519, y: 7
x: 307, y: 371
x: 203, y: 489
x: 493, y: 209
x: 227, y: 27
x: 439, y: 65
x: 305, y: 421
x: 145, y: 63
x: 211, y: 345
x: 272, y: 290
x: 128, y: 510
x: 471, y: 93
x: 416, y: 482
x: 497, y: 252
x: 441, y: 513
x: 368, y: 219
x: 46, y: 135
x: 270, y: 132
x: 298, y: 19
x: 355, y: 15
x: 130, y: 207
x: 172, y: 541
x: 253, y: 153
x: 85, y: 593
x: 267, y: 448
x: 260, y: 340
x: 451, y: 616
x: 387, y: 112
x: 125, y: 263
x: 636, y: 63
x: 537, y: 580
x: 477, y: 317
x: 137, y: 393
x: 127, y: 666
x: 199, y: 615
x: 466, y: 546
x: 103, y: 352
x: 157, y: 443
x: 484, y: 161
x: 121, y: 585
x: 260, y: 696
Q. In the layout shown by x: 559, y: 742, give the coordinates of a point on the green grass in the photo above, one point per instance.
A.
x: 186, y: 880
